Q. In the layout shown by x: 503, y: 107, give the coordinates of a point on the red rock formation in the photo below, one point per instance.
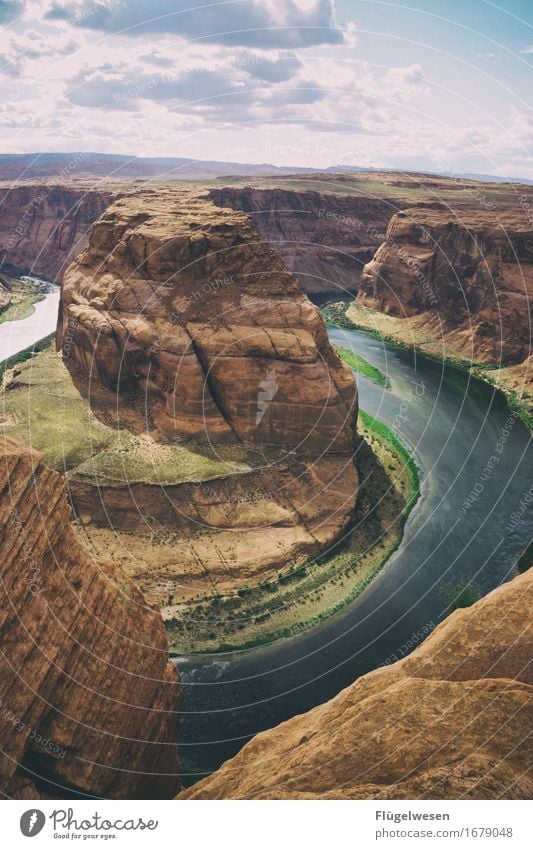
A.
x: 324, y: 238
x: 87, y: 696
x: 183, y: 311
x: 470, y: 274
x: 183, y: 303
x: 43, y: 227
x: 451, y: 721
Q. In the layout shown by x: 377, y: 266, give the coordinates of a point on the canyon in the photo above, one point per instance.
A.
x: 198, y: 423
x: 205, y: 426
x: 43, y: 226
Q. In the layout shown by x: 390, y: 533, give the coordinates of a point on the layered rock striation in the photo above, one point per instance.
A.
x: 44, y: 226
x: 451, y: 721
x: 324, y: 238
x: 88, y: 700
x: 198, y: 332
x: 186, y: 304
x: 469, y: 274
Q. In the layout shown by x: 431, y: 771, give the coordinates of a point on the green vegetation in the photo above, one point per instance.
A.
x: 25, y: 355
x: 362, y: 366
x: 463, y: 593
x: 24, y: 294
x: 45, y: 406
x: 335, y: 316
x: 387, y: 435
x: 308, y: 593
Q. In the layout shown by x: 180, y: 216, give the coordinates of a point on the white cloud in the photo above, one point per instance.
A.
x: 252, y: 23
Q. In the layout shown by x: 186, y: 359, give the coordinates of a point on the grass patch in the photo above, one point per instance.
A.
x: 24, y: 295
x: 43, y: 406
x: 362, y: 366
x: 305, y: 595
x: 388, y: 436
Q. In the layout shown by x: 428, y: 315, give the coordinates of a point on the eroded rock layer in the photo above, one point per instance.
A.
x: 469, y: 273
x: 450, y: 721
x: 43, y: 227
x: 181, y: 311
x: 88, y: 700
x: 184, y: 303
x: 325, y: 239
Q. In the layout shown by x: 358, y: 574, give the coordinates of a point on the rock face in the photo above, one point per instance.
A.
x: 450, y: 721
x: 185, y: 303
x: 43, y: 227
x: 470, y: 274
x: 88, y: 700
x: 325, y: 239
x: 189, y: 319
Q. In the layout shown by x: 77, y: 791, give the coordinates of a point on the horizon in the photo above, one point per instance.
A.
x: 286, y: 169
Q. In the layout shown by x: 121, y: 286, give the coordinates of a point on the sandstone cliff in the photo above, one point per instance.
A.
x: 184, y: 302
x: 450, y: 721
x: 203, y: 342
x: 325, y: 239
x: 43, y: 227
x: 469, y: 274
x: 88, y: 700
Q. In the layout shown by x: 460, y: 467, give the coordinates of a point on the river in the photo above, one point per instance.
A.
x: 453, y: 424
x: 15, y: 336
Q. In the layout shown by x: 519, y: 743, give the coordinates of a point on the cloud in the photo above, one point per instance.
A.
x: 9, y: 10
x: 528, y: 49
x: 276, y: 70
x: 251, y: 23
x: 406, y: 81
x: 112, y: 87
x: 9, y: 67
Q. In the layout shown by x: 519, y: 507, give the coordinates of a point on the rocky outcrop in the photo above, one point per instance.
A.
x: 450, y: 721
x: 5, y: 293
x: 43, y: 227
x: 88, y: 700
x: 469, y: 274
x: 183, y: 304
x: 324, y: 238
x: 194, y: 324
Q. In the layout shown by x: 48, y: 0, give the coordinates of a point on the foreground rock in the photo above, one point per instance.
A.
x: 88, y: 700
x: 450, y: 721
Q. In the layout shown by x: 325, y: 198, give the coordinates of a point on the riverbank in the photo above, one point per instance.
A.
x: 18, y: 297
x: 362, y: 366
x: 408, y: 333
x: 303, y: 596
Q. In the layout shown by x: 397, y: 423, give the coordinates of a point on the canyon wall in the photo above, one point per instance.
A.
x: 469, y: 274
x: 324, y: 238
x: 43, y: 227
x: 88, y: 700
x: 450, y: 721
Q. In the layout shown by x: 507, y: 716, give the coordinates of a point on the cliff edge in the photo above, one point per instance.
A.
x: 451, y: 721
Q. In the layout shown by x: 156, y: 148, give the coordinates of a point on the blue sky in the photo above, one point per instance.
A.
x: 427, y: 84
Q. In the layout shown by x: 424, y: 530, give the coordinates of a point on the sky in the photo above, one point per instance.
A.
x: 434, y: 85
